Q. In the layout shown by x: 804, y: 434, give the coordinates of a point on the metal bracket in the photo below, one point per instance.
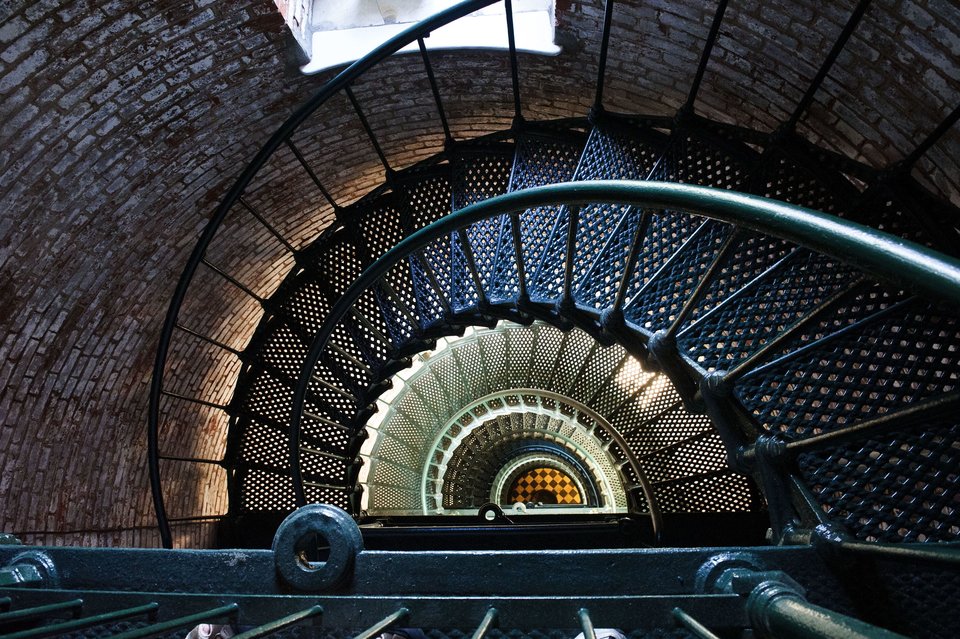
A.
x: 663, y: 348
x: 336, y: 527
x: 30, y: 568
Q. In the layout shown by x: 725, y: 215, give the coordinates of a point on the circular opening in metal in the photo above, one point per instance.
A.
x: 312, y: 551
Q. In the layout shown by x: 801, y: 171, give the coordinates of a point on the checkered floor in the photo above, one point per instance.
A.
x: 547, y: 485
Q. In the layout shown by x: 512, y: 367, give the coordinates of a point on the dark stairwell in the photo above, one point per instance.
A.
x: 739, y: 364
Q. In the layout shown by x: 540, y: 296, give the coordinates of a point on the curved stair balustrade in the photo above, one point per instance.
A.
x: 282, y: 137
x: 476, y: 400
x: 779, y: 327
x: 921, y: 289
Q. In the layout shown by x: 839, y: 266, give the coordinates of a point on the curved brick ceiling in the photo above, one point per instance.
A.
x: 121, y: 124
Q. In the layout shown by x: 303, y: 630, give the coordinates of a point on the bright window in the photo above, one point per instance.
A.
x: 337, y: 32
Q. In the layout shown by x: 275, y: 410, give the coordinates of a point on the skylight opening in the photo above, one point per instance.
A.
x: 337, y: 32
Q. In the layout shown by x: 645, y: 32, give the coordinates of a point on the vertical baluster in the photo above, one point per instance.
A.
x: 522, y: 296
x: 703, y: 284
x: 514, y: 75
x: 256, y: 214
x: 687, y: 107
x: 209, y: 340
x: 284, y: 622
x: 313, y: 176
x: 831, y: 58
x: 448, y: 138
x: 572, y: 223
x: 373, y: 138
x: 611, y: 319
x: 604, y: 47
x: 482, y: 302
x: 377, y: 628
x: 693, y: 625
x: 947, y: 123
x: 586, y: 624
x: 187, y: 621
x: 485, y: 624
x: 229, y: 278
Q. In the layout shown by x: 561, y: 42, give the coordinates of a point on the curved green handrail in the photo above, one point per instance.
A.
x: 879, y: 254
x: 340, y: 82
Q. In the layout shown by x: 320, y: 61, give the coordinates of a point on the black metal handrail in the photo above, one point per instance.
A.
x: 874, y: 252
x: 270, y: 590
x: 341, y: 82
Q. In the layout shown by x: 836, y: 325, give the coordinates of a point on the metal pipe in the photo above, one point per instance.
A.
x: 424, y: 265
x: 573, y: 222
x: 270, y: 228
x: 586, y: 624
x: 66, y: 627
x: 369, y: 130
x: 838, y: 46
x: 187, y: 621
x: 623, y: 285
x: 512, y: 44
x: 313, y: 176
x: 383, y: 624
x: 780, y: 339
x: 826, y: 339
x: 705, y: 281
x: 776, y: 610
x: 472, y: 266
x: 38, y: 612
x: 193, y: 400
x: 692, y: 625
x: 931, y: 139
x: 246, y: 290
x: 485, y: 624
x: 209, y: 340
x: 280, y: 624
x: 518, y: 257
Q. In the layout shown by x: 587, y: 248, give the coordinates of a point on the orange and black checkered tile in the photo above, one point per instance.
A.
x: 547, y: 485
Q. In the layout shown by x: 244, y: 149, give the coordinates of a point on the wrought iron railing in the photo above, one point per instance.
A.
x: 877, y: 257
x: 820, y: 233
x: 339, y: 84
x: 353, y: 592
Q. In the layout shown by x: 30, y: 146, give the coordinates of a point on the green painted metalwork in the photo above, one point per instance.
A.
x: 629, y: 589
x: 186, y: 621
x: 871, y: 251
x: 343, y: 80
x: 586, y: 624
x: 57, y: 629
x: 693, y: 625
x: 19, y: 574
x: 384, y: 624
x: 72, y: 607
x: 691, y: 140
x: 485, y: 624
x: 280, y: 624
x: 788, y: 616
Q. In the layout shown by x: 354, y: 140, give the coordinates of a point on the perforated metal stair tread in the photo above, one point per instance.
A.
x: 763, y: 301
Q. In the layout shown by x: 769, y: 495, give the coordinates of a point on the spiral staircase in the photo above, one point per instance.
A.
x: 714, y: 336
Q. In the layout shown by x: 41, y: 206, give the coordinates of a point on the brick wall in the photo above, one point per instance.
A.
x: 122, y: 124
